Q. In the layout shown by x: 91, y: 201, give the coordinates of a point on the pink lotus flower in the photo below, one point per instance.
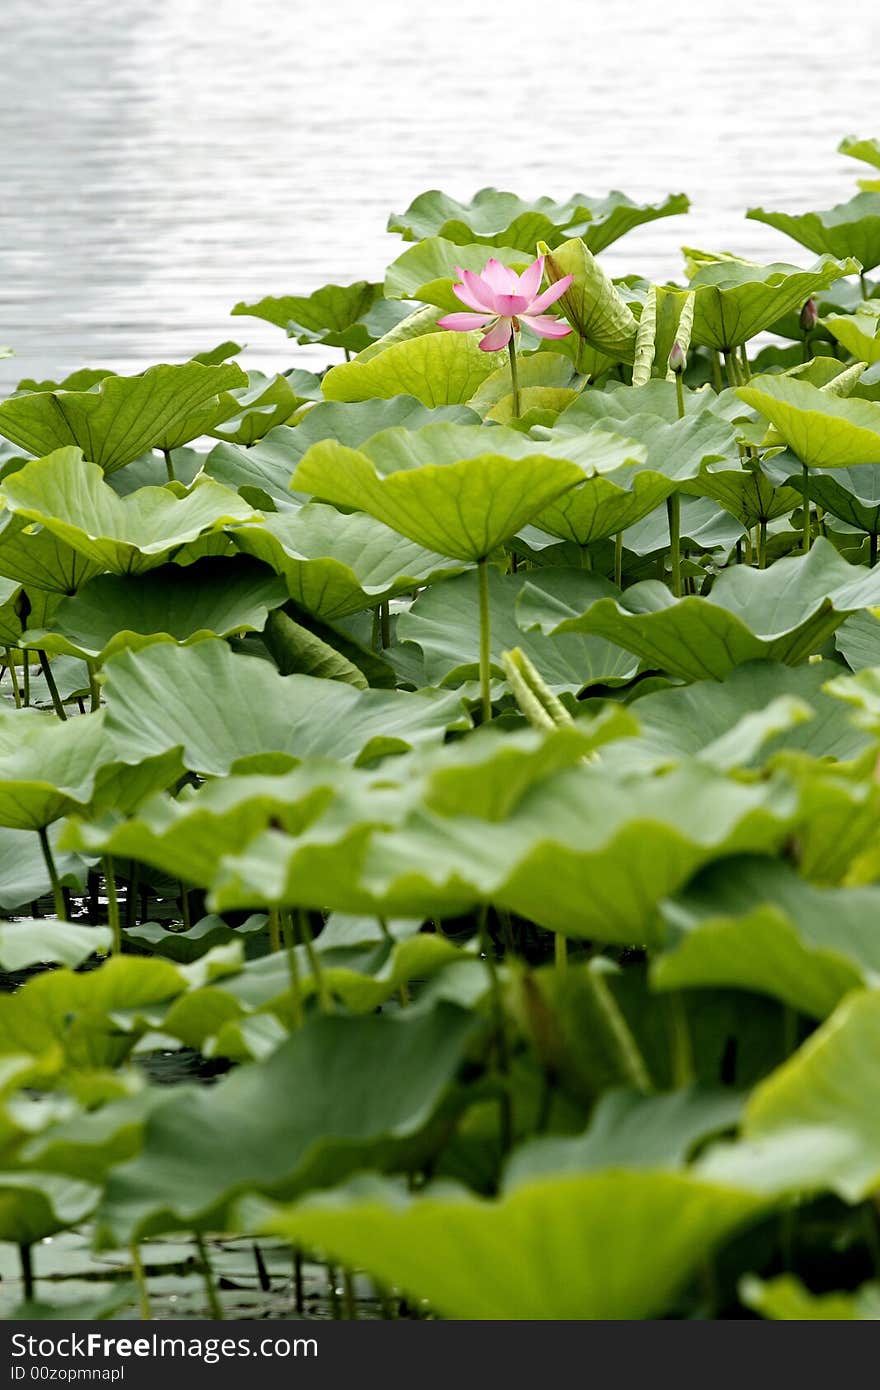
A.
x: 502, y: 300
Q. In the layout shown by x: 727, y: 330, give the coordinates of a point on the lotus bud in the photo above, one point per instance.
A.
x: 809, y: 316
x: 677, y: 359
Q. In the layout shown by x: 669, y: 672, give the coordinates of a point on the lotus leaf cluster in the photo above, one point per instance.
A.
x: 439, y: 811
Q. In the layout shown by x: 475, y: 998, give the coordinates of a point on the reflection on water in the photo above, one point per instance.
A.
x: 163, y: 159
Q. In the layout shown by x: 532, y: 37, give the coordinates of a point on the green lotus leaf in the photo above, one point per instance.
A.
x: 746, y: 493
x: 262, y: 473
x: 267, y: 403
x: 334, y: 564
x: 367, y: 1090
x: 32, y: 555
x: 296, y: 649
x: 866, y: 150
x: 92, y: 1142
x: 213, y: 597
x: 183, y: 947
x: 668, y: 454
x: 10, y: 620
x: 825, y: 431
x: 862, y: 691
x: 189, y: 836
x: 438, y: 369
x: 667, y: 318
x: 428, y: 271
x: 47, y: 766
x: 786, y: 1299
x: 814, y: 1123
x: 852, y: 494
x: 415, y: 324
x: 494, y: 218
x: 585, y: 853
x: 858, y: 640
x: 569, y: 1245
x: 444, y: 624
x: 36, y: 1205
x: 755, y: 924
x: 35, y: 941
x: 346, y: 316
x: 80, y: 380
x: 593, y: 306
x: 488, y: 774
x: 361, y: 981
x: 455, y: 489
x: 619, y: 404
x: 847, y: 229
x: 857, y: 333
x: 540, y: 369
x: 702, y: 527
x: 629, y: 1130
x: 125, y: 416
x: 126, y: 535
x: 734, y: 300
x: 780, y: 614
x: 219, y: 707
x: 94, y: 1017
x: 23, y: 874
x: 736, y: 722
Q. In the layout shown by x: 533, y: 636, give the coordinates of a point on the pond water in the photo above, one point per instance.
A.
x: 163, y: 159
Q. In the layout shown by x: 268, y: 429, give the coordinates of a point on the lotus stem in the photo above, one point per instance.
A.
x: 112, y: 903
x: 679, y: 394
x: 26, y: 679
x: 94, y: 687
x: 140, y: 1279
x: 717, y: 381
x: 333, y: 1293
x: 184, y: 908
x: 57, y: 702
x: 214, y: 1306
x: 514, y: 377
x: 731, y: 369
x: 744, y: 363
x: 487, y: 949
x: 673, y: 512
x: 762, y: 543
x: 274, y: 931
x: 485, y: 642
x: 618, y: 554
x: 131, y: 896
x: 27, y: 1271
x: 13, y: 675
x: 299, y: 1301
x: 681, y: 1055
x: 560, y: 951
x: 348, y: 1290
x: 169, y: 465
x: 872, y: 547
x: 57, y: 894
x: 293, y: 969
x: 385, y: 623
x: 869, y: 1220
x: 806, y: 482
x: 325, y: 1003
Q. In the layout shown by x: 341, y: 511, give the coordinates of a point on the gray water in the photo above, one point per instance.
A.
x: 163, y: 159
